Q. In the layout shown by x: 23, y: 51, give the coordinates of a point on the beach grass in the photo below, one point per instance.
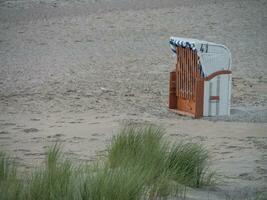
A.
x: 10, y: 185
x: 140, y: 165
x: 188, y: 163
x: 184, y: 162
x: 139, y: 146
x: 101, y: 182
x: 54, y: 180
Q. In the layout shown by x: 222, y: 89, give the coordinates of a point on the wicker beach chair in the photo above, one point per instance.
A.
x: 200, y: 85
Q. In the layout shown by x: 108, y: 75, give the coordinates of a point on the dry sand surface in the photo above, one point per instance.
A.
x: 72, y: 71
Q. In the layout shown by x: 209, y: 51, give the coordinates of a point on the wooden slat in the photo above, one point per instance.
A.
x: 187, y: 70
x: 172, y: 91
x: 189, y: 83
x: 199, y: 97
x: 191, y: 77
x: 194, y: 75
x: 187, y: 74
x: 182, y: 73
x: 179, y: 73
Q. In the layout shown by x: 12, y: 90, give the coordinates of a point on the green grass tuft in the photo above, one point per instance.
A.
x: 145, y: 146
x: 140, y: 165
x: 54, y: 181
x: 10, y: 185
x: 188, y: 163
x: 137, y: 144
x: 103, y: 183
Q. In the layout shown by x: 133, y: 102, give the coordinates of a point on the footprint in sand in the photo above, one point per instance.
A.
x: 60, y: 122
x: 97, y: 134
x: 5, y: 138
x: 101, y: 152
x: 261, y: 170
x: 93, y: 139
x: 201, y: 138
x: 35, y: 119
x: 8, y: 124
x: 225, y: 152
x: 232, y: 147
x: 178, y: 135
x: 251, y: 137
x: 31, y: 130
x: 22, y: 150
x: 94, y: 123
x: 73, y: 122
x: 247, y: 176
x: 77, y: 138
x: 174, y: 135
x: 38, y: 138
x: 4, y: 133
x: 34, y: 154
x: 58, y: 135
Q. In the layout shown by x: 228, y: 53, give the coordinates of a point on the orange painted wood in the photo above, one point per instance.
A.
x: 186, y: 105
x: 179, y: 112
x: 188, y: 85
x: 211, y: 76
x: 172, y: 91
x: 199, y: 98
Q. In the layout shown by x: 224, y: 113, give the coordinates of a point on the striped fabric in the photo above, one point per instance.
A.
x: 180, y: 43
x: 212, y: 57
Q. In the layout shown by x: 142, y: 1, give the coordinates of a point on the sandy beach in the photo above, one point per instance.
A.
x: 73, y: 71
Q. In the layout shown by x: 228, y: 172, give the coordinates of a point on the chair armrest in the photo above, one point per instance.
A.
x: 211, y: 76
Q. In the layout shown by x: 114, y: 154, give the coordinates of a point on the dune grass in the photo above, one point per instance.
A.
x: 54, y: 180
x: 183, y: 162
x: 10, y: 185
x: 102, y: 183
x: 188, y: 163
x: 140, y: 165
x: 142, y: 147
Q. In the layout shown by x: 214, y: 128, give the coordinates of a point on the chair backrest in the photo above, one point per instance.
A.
x: 189, y: 82
x: 212, y: 57
x: 188, y: 70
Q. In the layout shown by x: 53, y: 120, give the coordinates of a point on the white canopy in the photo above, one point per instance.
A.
x: 213, y: 57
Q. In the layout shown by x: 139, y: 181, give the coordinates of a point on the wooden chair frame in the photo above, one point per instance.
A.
x: 186, y: 88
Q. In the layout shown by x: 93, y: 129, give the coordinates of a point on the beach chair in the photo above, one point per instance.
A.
x: 200, y: 85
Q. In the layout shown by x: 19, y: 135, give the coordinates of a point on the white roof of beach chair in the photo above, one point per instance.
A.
x: 213, y: 57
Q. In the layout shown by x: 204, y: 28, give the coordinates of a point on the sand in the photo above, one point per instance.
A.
x: 72, y: 71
